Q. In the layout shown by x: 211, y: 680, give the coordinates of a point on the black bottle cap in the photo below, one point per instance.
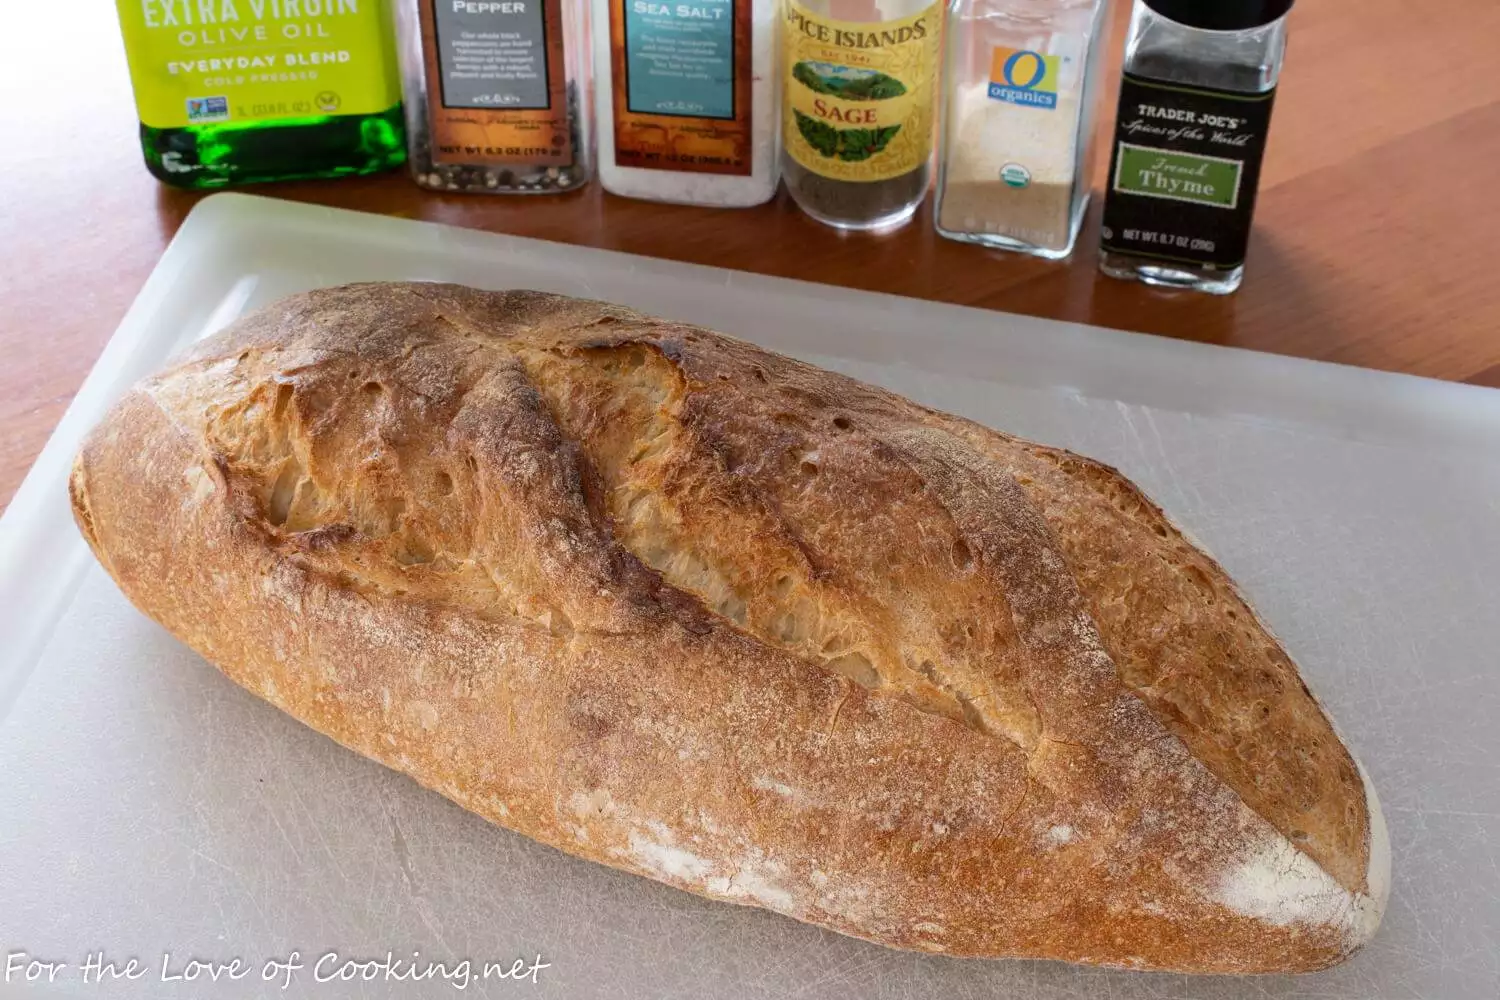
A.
x: 1221, y: 15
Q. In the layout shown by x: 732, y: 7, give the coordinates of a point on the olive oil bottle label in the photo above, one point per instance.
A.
x: 681, y: 84
x: 1184, y: 172
x: 501, y: 86
x: 858, y: 97
x: 229, y: 62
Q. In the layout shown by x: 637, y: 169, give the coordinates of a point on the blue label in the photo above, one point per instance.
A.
x: 1021, y: 95
x: 679, y: 58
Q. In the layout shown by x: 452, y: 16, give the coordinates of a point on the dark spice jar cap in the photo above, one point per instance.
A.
x: 1221, y: 15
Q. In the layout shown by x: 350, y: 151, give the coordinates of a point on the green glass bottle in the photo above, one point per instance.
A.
x: 239, y: 91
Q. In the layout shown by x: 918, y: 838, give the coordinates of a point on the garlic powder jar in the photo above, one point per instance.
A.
x: 1016, y: 151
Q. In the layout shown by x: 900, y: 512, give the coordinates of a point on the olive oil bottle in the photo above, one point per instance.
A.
x: 239, y: 91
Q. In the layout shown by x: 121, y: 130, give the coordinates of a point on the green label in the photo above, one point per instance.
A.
x: 208, y: 62
x: 1162, y: 173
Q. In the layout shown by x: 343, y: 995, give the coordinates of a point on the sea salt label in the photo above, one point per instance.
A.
x: 681, y: 85
x: 679, y: 58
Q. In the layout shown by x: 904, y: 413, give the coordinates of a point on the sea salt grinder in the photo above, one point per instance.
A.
x: 687, y: 100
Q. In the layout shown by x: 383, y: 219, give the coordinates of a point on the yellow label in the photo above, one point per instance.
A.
x: 208, y: 62
x: 858, y: 97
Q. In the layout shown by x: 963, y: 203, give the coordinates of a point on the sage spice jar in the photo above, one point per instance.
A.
x: 857, y: 107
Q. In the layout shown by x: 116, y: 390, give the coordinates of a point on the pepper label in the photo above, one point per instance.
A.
x: 1184, y: 172
x: 501, y: 91
x: 858, y: 97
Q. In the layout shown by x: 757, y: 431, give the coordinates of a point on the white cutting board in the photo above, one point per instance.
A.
x: 150, y: 807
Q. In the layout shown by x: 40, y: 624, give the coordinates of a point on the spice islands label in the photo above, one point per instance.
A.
x: 858, y: 97
x: 230, y: 62
x: 501, y: 93
x: 681, y: 74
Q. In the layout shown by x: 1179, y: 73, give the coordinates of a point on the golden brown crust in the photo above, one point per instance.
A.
x: 678, y: 605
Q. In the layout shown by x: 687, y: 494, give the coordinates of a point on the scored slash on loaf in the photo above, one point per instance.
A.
x: 679, y: 605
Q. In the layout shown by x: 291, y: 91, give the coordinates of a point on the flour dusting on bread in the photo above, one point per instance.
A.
x: 1281, y: 885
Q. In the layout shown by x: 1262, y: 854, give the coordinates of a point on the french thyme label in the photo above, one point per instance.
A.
x: 1184, y: 171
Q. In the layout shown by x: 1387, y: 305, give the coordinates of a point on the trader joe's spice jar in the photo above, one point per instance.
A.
x: 857, y: 107
x: 1195, y: 110
x: 496, y: 94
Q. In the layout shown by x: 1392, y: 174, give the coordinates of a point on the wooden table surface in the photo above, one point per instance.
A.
x: 1375, y: 227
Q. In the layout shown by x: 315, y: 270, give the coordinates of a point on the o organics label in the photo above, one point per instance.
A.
x: 1021, y: 76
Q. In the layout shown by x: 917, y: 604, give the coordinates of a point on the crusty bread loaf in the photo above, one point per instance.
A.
x: 675, y: 604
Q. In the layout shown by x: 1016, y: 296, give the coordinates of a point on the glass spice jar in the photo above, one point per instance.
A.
x: 497, y: 94
x: 1016, y: 145
x: 858, y: 94
x: 1195, y: 109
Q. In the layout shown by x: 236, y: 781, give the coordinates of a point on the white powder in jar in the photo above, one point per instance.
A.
x: 692, y: 187
x: 1009, y: 170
